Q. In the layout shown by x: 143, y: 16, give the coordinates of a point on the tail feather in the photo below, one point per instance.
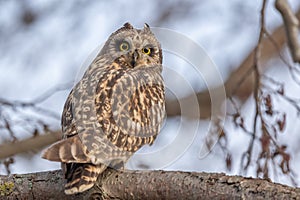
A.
x: 67, y: 150
x: 81, y: 176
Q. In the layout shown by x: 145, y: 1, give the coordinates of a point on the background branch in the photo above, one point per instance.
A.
x: 291, y: 26
x: 33, y: 143
x: 243, y: 76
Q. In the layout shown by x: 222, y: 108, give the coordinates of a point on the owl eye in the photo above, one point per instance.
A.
x: 124, y: 46
x: 147, y: 50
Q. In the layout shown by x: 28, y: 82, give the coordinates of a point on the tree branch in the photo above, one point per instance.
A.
x: 146, y: 185
x: 291, y: 27
x: 36, y: 142
x: 240, y: 83
x: 243, y: 77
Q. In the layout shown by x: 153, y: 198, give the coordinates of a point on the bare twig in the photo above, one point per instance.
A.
x: 248, y: 154
x: 51, y: 92
x: 294, y: 71
x: 23, y: 120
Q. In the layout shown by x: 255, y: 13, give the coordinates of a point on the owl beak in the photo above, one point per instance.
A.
x: 135, y: 57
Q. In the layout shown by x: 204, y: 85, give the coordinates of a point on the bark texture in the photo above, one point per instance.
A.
x: 146, y: 185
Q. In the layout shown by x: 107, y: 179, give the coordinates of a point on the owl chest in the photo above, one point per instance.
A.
x: 127, y: 102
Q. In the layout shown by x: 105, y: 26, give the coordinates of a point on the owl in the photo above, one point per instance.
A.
x: 117, y: 107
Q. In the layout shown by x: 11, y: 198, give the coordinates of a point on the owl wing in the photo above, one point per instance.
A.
x: 67, y: 120
x: 70, y: 148
x: 79, y: 172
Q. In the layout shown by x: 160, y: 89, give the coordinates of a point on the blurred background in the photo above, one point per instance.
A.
x: 43, y: 45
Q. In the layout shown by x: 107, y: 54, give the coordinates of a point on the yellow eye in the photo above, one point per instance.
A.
x: 124, y: 46
x: 147, y: 51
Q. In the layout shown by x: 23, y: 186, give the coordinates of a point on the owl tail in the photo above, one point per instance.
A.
x: 81, y: 176
x: 67, y: 150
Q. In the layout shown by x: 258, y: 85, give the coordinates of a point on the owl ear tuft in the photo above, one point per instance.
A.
x: 146, y: 27
x: 128, y: 25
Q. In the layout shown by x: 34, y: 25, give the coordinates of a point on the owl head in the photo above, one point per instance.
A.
x: 138, y: 47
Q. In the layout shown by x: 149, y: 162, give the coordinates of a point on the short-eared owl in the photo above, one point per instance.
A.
x: 117, y: 107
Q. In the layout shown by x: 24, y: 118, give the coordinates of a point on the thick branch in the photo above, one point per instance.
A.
x: 240, y: 82
x: 291, y: 26
x: 146, y: 185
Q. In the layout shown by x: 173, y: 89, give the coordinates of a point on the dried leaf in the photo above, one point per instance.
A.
x: 281, y: 90
x: 229, y: 162
x: 281, y: 122
x: 7, y: 164
x: 268, y: 104
x: 265, y: 139
x: 35, y: 133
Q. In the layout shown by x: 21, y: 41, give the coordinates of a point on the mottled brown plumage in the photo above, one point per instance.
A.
x: 117, y: 107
